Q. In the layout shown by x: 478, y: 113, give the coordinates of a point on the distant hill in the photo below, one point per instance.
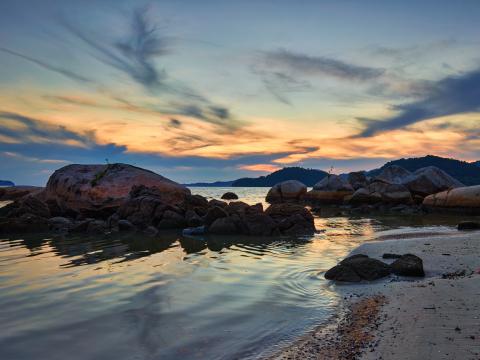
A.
x: 6, y: 183
x: 213, y: 184
x: 307, y: 176
x: 467, y: 173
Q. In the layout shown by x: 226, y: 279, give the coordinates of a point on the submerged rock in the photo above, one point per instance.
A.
x: 199, y: 230
x: 408, y: 265
x: 286, y: 191
x: 229, y: 196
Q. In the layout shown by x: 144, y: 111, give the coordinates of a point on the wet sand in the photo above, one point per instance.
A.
x: 436, y: 317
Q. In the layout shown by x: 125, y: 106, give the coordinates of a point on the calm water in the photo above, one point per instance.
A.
x: 170, y: 297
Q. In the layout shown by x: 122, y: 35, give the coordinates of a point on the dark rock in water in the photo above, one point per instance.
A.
x: 238, y: 207
x: 213, y: 214
x: 286, y: 191
x: 219, y: 203
x: 342, y: 273
x: 150, y: 231
x: 259, y: 224
x: 193, y: 219
x: 199, y: 230
x: 391, y: 256
x: 357, y: 179
x: 223, y: 226
x: 60, y: 224
x: 98, y: 190
x: 468, y: 225
x: 195, y: 201
x: 362, y: 266
x: 229, y: 196
x: 408, y: 265
x: 125, y: 225
x: 97, y: 227
x: 292, y: 219
x: 171, y: 220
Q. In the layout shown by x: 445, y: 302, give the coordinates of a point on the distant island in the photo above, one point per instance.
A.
x: 467, y: 173
x: 6, y: 183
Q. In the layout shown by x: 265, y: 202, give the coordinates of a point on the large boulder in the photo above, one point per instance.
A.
x: 430, y: 180
x: 99, y: 190
x: 393, y: 175
x: 229, y: 196
x: 330, y: 190
x: 286, y: 191
x: 358, y: 179
x: 463, y: 199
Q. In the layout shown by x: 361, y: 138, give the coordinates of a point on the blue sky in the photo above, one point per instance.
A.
x: 211, y: 90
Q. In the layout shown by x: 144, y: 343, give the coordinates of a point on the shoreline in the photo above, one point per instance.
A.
x: 436, y: 317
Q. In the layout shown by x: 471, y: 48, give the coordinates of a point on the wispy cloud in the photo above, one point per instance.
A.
x: 320, y: 65
x: 135, y: 54
x: 451, y: 95
x: 45, y: 65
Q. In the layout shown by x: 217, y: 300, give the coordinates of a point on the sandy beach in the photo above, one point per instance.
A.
x: 436, y: 317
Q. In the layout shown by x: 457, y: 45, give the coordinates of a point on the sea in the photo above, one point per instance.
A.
x: 126, y: 297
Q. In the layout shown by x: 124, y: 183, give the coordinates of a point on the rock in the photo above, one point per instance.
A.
x: 468, y: 225
x: 393, y: 175
x: 238, y: 207
x: 408, y: 265
x: 380, y: 192
x: 331, y: 190
x: 199, y: 230
x: 29, y: 205
x: 292, y: 219
x: 342, y: 273
x: 259, y: 224
x: 223, y: 226
x: 363, y: 266
x: 171, y: 220
x: 195, y: 201
x: 462, y: 199
x: 151, y: 231
x: 213, y: 214
x: 99, y: 190
x: 357, y: 179
x: 60, y: 224
x: 97, y: 227
x: 229, y: 196
x: 391, y: 256
x: 17, y: 192
x: 215, y: 202
x: 430, y: 180
x: 125, y: 225
x: 25, y: 223
x: 193, y: 219
x: 286, y: 191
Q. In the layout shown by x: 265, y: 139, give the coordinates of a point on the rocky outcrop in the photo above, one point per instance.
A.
x: 331, y: 190
x: 229, y: 196
x: 380, y: 192
x: 462, y: 199
x: 286, y: 191
x: 292, y: 219
x: 17, y: 192
x: 430, y: 180
x: 99, y: 190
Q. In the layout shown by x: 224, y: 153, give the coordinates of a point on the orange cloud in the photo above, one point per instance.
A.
x: 260, y: 167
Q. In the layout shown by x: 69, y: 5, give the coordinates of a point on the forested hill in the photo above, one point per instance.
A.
x: 307, y: 176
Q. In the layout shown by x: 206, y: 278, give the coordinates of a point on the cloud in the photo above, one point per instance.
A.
x: 260, y: 167
x: 320, y: 65
x: 135, y: 54
x: 59, y: 70
x: 175, y: 123
x: 451, y: 95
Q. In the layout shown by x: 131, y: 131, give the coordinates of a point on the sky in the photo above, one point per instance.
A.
x: 217, y: 90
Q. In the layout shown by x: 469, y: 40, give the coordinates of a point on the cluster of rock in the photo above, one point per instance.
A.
x: 361, y: 267
x: 393, y: 186
x: 120, y: 197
